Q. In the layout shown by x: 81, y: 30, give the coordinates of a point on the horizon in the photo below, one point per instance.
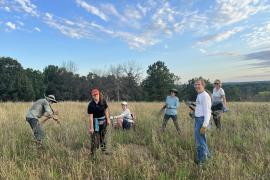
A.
x: 227, y: 40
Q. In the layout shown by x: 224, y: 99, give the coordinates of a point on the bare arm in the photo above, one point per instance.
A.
x: 91, y: 124
x: 107, y: 116
x: 225, y: 101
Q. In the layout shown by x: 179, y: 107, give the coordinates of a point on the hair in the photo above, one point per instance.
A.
x: 100, y: 96
x: 202, y: 81
x: 217, y: 80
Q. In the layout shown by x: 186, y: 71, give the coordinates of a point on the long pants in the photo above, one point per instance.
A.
x: 217, y: 118
x: 217, y: 109
x: 37, y: 130
x: 200, y: 140
x: 166, y: 119
x: 98, y: 139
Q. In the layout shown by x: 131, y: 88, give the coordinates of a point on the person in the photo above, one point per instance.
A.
x: 171, y: 105
x: 40, y: 108
x: 98, y: 120
x: 125, y: 119
x: 202, y: 118
x: 219, y: 103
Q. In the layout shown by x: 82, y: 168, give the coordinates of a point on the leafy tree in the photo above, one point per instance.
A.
x: 188, y: 92
x: 158, y: 81
x: 37, y: 80
x: 14, y: 84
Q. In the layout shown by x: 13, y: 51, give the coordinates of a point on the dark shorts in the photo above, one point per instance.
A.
x: 217, y: 107
x: 126, y: 124
x: 167, y: 117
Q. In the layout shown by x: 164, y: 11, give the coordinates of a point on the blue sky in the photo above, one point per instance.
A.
x: 225, y: 39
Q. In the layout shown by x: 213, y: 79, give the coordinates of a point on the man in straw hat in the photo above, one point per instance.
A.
x: 41, y: 108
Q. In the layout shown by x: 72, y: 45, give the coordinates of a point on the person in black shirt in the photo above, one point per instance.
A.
x: 98, y: 120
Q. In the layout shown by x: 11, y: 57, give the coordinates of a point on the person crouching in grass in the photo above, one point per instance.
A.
x: 171, y: 105
x: 98, y: 120
x: 202, y: 118
x: 124, y: 120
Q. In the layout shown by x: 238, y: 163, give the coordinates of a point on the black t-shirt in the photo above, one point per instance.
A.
x: 98, y: 110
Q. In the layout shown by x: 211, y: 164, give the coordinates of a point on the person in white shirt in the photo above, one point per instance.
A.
x: 124, y: 120
x: 202, y: 118
x: 219, y: 103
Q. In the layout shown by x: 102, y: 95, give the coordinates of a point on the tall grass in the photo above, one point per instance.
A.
x: 240, y: 151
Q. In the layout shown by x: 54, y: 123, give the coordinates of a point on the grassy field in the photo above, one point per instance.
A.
x: 240, y: 151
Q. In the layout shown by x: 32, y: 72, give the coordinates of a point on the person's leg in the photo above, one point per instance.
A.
x: 216, y: 117
x: 199, y: 140
x: 165, y: 120
x: 94, y: 142
x: 176, y: 124
x: 218, y: 121
x: 103, y: 131
x: 37, y: 130
x: 119, y: 122
x: 126, y: 125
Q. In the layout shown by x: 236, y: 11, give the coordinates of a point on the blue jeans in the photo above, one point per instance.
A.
x: 38, y: 132
x: 200, y: 140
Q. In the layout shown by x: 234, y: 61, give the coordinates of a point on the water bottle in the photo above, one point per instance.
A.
x: 96, y: 125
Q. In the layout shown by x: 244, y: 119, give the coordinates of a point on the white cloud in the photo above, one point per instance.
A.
x: 37, y: 29
x: 132, y: 13
x: 48, y: 15
x: 219, y: 37
x: 28, y: 7
x: 143, y: 9
x: 11, y: 25
x: 7, y: 9
x: 139, y: 42
x: 92, y: 9
x: 71, y: 29
x: 111, y: 10
x: 231, y: 11
x: 259, y: 37
x: 219, y: 53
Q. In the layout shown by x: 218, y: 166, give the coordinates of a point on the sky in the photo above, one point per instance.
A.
x: 215, y: 39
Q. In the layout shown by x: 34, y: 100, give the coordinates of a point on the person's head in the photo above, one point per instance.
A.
x: 51, y: 99
x: 199, y: 85
x: 217, y: 84
x: 173, y: 92
x: 124, y: 105
x: 95, y: 94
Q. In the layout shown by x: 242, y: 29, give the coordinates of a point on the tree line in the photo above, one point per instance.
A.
x: 119, y: 82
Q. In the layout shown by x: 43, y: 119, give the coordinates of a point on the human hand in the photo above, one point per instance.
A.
x: 203, y: 130
x: 91, y: 130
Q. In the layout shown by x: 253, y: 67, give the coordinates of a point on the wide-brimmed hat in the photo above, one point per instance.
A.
x: 174, y: 90
x: 51, y: 98
x: 124, y: 103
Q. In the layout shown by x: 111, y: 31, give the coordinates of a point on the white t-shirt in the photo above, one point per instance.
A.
x: 203, y: 107
x: 217, y: 95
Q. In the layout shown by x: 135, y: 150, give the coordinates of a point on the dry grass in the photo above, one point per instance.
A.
x: 241, y: 150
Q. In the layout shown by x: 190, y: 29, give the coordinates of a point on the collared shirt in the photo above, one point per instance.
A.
x: 172, y: 103
x: 97, y: 109
x: 39, y: 108
x: 203, y: 107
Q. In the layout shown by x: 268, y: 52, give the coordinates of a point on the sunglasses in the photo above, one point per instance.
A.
x: 216, y: 83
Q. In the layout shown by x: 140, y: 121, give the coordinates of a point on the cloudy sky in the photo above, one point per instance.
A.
x: 226, y: 39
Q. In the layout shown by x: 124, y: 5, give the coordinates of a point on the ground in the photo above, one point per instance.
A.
x: 240, y: 151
